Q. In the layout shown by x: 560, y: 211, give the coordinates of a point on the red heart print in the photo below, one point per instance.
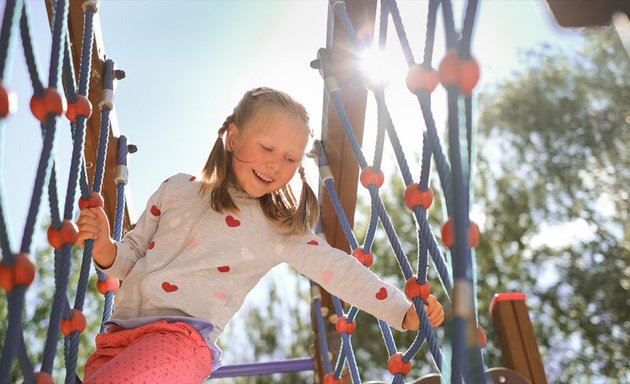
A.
x: 192, y: 178
x: 151, y: 245
x: 168, y: 287
x: 155, y: 211
x: 381, y: 294
x: 232, y: 221
x: 312, y: 242
x: 224, y: 268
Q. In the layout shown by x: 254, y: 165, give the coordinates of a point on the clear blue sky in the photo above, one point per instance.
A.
x: 189, y: 62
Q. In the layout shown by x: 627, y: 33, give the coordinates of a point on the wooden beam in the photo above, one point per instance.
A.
x: 93, y: 125
x: 343, y: 165
x: 586, y: 13
x: 515, y: 334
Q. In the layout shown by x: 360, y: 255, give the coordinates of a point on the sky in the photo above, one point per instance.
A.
x: 188, y: 63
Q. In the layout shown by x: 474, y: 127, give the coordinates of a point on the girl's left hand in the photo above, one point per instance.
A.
x: 434, y: 311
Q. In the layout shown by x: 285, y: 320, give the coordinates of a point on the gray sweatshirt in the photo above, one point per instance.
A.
x: 184, y: 260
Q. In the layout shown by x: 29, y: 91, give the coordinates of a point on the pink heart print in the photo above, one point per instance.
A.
x: 312, y: 242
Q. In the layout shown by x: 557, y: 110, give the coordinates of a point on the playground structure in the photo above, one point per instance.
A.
x: 98, y: 142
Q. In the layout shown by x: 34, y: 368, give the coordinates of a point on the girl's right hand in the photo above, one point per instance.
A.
x: 93, y: 224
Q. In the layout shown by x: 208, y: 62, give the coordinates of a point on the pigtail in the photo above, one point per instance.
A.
x: 307, y: 211
x: 215, y: 176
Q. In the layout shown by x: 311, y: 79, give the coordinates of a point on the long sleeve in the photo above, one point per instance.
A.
x: 136, y: 242
x: 343, y: 276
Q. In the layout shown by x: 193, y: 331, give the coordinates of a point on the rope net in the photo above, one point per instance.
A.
x: 458, y: 73
x: 51, y: 108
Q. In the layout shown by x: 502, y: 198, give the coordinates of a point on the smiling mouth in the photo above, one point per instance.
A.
x: 263, y: 177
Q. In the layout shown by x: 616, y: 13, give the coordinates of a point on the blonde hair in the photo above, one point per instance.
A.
x: 281, y: 206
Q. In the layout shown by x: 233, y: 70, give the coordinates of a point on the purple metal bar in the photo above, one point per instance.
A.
x: 267, y: 368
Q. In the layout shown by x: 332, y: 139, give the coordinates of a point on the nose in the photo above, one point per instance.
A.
x: 273, y: 162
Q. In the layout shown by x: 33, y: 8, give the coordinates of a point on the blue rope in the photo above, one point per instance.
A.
x: 340, y: 10
x: 382, y: 30
x: 29, y: 52
x: 60, y: 28
x: 400, y: 30
x: 430, y: 34
x: 449, y: 24
x: 442, y: 166
x: 86, y: 51
x: 9, y: 23
x: 321, y: 332
x: 25, y: 363
x: 15, y: 306
x: 59, y: 308
x: 108, y: 81
x: 467, y: 28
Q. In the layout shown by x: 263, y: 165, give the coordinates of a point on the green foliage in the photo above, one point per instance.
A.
x: 553, y: 186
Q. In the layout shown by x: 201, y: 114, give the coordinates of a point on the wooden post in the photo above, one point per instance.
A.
x: 586, y: 13
x: 515, y: 334
x: 341, y: 160
x: 93, y: 125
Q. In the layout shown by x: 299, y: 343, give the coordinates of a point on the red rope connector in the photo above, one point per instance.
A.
x: 415, y: 289
x: 370, y: 176
x: 66, y: 234
x: 329, y: 378
x: 461, y: 73
x: 419, y: 77
x: 52, y: 103
x: 95, y: 200
x: 448, y: 238
x: 364, y: 258
x: 395, y: 364
x: 76, y: 323
x: 481, y: 335
x: 343, y: 325
x: 21, y: 273
x: 109, y: 284
x: 42, y: 378
x: 8, y: 102
x: 81, y: 107
x: 414, y: 196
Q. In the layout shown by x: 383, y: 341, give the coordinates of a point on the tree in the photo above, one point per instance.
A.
x: 555, y: 166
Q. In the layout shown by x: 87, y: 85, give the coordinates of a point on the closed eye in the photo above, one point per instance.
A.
x: 266, y: 149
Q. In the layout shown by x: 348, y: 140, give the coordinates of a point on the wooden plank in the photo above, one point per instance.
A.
x: 93, y: 125
x: 516, y: 337
x: 530, y: 346
x: 342, y: 162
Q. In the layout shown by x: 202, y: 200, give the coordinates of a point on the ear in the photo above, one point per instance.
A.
x: 230, y: 137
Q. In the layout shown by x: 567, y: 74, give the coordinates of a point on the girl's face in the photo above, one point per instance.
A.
x: 267, y: 151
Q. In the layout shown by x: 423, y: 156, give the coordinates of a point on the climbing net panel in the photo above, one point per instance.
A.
x: 458, y: 73
x: 54, y: 108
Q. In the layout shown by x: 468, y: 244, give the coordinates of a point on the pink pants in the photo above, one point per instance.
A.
x: 159, y: 352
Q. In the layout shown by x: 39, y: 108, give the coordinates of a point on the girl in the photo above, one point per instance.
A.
x: 201, y: 246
